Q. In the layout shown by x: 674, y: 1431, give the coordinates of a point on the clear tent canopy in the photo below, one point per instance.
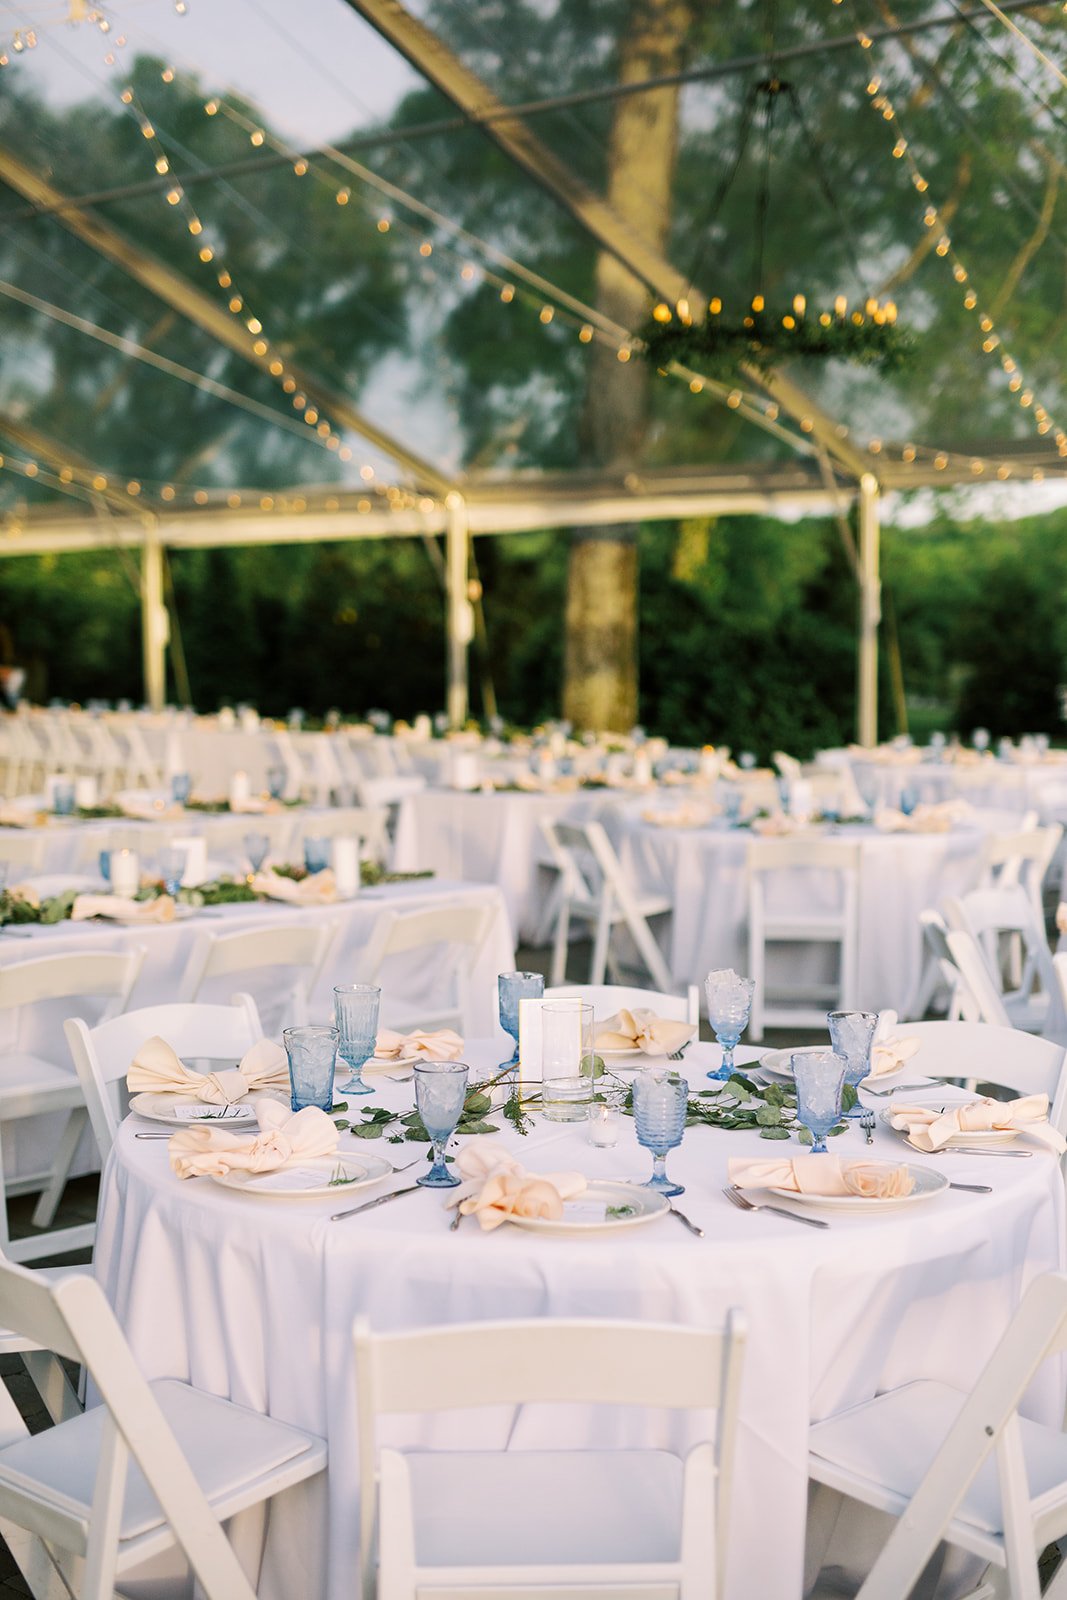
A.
x: 272, y: 272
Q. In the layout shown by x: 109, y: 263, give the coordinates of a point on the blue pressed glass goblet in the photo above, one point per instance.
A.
x: 257, y: 848
x: 316, y: 854
x: 276, y: 781
x: 729, y: 999
x: 440, y: 1090
x: 660, y: 1102
x: 819, y: 1076
x: 171, y: 869
x: 181, y: 785
x: 355, y: 1009
x: 511, y: 988
x: 852, y: 1034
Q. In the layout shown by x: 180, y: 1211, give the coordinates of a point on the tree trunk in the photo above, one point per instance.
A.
x: 600, y: 656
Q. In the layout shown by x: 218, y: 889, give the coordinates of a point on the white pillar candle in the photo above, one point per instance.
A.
x: 709, y: 763
x: 346, y: 867
x: 125, y: 872
x: 466, y: 772
x: 643, y: 768
x: 85, y: 792
x: 240, y: 790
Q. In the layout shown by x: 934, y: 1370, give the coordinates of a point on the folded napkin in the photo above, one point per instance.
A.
x: 930, y: 1127
x: 642, y: 1030
x: 776, y: 826
x: 441, y: 1045
x: 1061, y: 916
x: 284, y: 1140
x: 18, y: 817
x: 148, y: 807
x: 827, y: 1175
x: 889, y: 1055
x: 317, y: 889
x: 157, y: 1068
x: 497, y: 1187
x: 682, y: 816
x: 118, y: 908
x: 251, y: 805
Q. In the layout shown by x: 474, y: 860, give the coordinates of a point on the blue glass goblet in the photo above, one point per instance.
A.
x: 105, y: 865
x: 355, y: 1009
x: 852, y: 1034
x: 819, y: 1076
x: 257, y: 848
x: 729, y: 999
x: 440, y: 1090
x: 316, y: 854
x: 172, y: 869
x: 181, y: 785
x: 909, y: 799
x: 511, y: 988
x: 276, y: 781
x: 660, y: 1103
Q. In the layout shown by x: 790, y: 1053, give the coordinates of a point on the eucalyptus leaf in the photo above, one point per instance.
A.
x: 367, y: 1130
x: 769, y: 1116
x: 774, y: 1133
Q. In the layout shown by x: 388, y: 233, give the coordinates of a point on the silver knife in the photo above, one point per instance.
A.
x: 382, y: 1200
x: 971, y: 1150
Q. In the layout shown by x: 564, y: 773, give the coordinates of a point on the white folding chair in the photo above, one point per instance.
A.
x: 31, y: 1085
x: 368, y: 824
x: 294, y: 953
x: 449, y: 941
x: 637, y: 1523
x: 982, y: 1052
x: 1022, y: 858
x: 838, y: 864
x: 595, y: 890
x: 103, y: 1054
x: 961, y: 1467
x: 998, y: 920
x: 940, y: 972
x: 608, y: 998
x: 155, y: 1466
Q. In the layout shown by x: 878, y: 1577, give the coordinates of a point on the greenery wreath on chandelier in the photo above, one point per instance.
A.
x: 717, y: 346
x: 763, y: 336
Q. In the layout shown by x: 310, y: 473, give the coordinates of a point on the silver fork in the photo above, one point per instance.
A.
x: 867, y: 1124
x: 742, y: 1201
x: 898, y: 1088
x: 676, y: 1055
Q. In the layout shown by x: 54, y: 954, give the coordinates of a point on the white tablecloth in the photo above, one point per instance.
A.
x: 254, y: 1299
x: 703, y: 871
x: 167, y: 946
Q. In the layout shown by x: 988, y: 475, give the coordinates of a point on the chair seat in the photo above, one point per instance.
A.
x: 648, y: 905
x: 520, y: 1508
x: 228, y: 1447
x: 804, y: 925
x: 27, y: 1078
x: 885, y: 1446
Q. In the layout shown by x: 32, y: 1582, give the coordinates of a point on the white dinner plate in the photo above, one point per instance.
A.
x: 991, y: 1136
x: 928, y: 1182
x: 589, y: 1211
x: 318, y: 1175
x: 631, y: 1050
x: 776, y: 1062
x: 383, y: 1063
x: 186, y: 1111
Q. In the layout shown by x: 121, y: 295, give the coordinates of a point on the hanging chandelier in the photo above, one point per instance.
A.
x: 764, y: 331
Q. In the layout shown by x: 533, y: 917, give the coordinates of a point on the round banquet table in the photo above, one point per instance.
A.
x: 901, y: 874
x: 254, y: 1298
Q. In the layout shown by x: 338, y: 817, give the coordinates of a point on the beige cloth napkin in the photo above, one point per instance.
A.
x: 889, y: 1055
x: 120, y: 909
x: 930, y: 1128
x: 682, y: 816
x: 497, y: 1187
x: 284, y: 1140
x: 643, y: 1030
x: 1061, y: 916
x: 318, y: 889
x: 924, y: 819
x: 776, y: 826
x: 826, y: 1175
x: 441, y: 1045
x: 252, y: 805
x: 17, y: 817
x: 157, y: 1068
x: 148, y: 808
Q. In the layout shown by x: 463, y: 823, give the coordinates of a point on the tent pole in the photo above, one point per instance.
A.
x: 870, y: 613
x: 154, y: 621
x: 459, y: 618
